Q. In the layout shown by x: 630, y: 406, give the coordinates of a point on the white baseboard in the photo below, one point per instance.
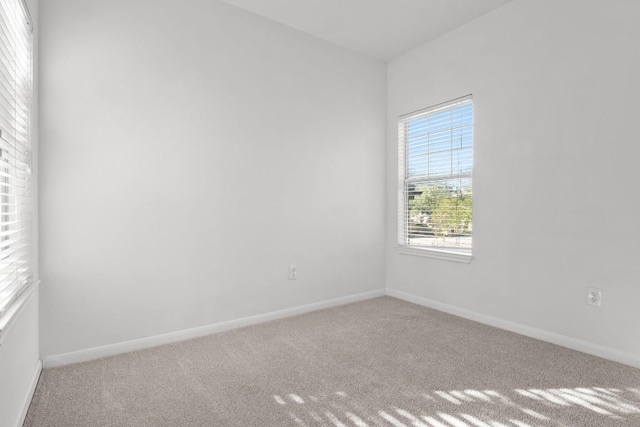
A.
x: 139, y: 344
x: 27, y: 398
x: 619, y: 356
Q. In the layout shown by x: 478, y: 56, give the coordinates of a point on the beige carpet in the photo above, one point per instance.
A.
x: 382, y: 362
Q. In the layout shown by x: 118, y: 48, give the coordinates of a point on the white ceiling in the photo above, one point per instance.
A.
x: 382, y: 29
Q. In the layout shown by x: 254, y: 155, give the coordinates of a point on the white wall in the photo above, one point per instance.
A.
x: 19, y: 364
x: 19, y: 343
x: 556, y: 91
x: 190, y: 152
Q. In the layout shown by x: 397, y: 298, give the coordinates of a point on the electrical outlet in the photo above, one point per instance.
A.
x: 293, y: 272
x: 594, y: 297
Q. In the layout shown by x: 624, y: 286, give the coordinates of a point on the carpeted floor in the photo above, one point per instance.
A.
x: 381, y: 362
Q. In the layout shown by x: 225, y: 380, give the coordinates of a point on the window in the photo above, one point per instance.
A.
x: 435, y: 192
x: 15, y: 150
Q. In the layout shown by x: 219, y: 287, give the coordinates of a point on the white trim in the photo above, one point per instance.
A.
x: 154, y: 341
x: 435, y: 253
x: 8, y: 318
x: 627, y: 358
x: 27, y: 399
x: 434, y: 108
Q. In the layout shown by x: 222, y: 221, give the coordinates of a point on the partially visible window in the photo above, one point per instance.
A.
x: 15, y: 150
x: 436, y: 166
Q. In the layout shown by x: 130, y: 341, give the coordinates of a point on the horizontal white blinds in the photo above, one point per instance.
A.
x: 436, y: 166
x: 15, y: 150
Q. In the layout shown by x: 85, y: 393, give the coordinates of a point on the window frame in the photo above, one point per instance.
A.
x: 403, y: 244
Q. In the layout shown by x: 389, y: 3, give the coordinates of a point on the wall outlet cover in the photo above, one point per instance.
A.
x: 594, y: 296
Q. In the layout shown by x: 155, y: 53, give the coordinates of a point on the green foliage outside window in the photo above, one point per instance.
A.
x: 440, y: 211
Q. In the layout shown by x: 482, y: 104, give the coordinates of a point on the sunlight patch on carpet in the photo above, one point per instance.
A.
x: 538, y: 407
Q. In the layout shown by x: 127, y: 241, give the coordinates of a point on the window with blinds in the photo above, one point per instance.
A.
x: 15, y: 150
x: 436, y: 166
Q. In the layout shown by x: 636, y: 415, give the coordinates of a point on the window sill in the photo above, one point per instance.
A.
x: 9, y: 317
x: 436, y: 254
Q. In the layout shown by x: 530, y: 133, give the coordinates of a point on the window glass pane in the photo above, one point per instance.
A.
x: 417, y: 166
x: 417, y: 145
x: 462, y: 137
x: 440, y: 141
x: 439, y: 213
x: 417, y: 126
x: 440, y: 163
x: 462, y: 115
x: 440, y: 120
x: 462, y: 161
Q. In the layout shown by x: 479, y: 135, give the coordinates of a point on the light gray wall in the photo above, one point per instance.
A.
x: 189, y: 158
x: 191, y: 151
x: 556, y: 91
x: 19, y: 364
x: 19, y: 351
